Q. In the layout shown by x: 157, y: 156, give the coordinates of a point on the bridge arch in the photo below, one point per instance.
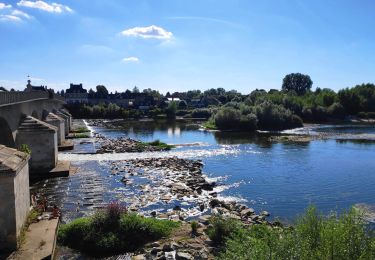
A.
x: 6, y: 136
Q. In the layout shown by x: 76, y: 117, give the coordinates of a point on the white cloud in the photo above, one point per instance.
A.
x: 148, y: 32
x: 9, y: 18
x: 41, y: 5
x: 130, y: 59
x: 20, y: 14
x: 4, y: 6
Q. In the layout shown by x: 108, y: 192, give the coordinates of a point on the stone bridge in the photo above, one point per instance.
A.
x: 36, y: 119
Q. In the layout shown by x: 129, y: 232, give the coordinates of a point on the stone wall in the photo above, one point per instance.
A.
x: 14, y: 196
x: 42, y: 140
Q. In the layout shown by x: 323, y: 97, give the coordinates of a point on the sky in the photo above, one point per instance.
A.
x: 176, y: 45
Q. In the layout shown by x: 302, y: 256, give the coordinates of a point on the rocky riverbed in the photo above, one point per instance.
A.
x: 126, y: 145
x: 181, y: 184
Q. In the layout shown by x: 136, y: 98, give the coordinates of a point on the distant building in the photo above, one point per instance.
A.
x: 196, y: 102
x: 76, y: 94
x: 31, y: 88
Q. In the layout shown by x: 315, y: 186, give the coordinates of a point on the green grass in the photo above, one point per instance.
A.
x: 79, y: 135
x: 161, y: 145
x: 82, y: 129
x: 108, y: 233
x: 31, y: 218
x: 313, y: 237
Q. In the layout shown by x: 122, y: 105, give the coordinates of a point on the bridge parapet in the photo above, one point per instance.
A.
x: 10, y: 98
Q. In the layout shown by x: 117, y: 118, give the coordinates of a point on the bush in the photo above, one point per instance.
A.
x: 229, y: 118
x: 194, y: 227
x: 25, y: 149
x: 201, y: 113
x: 113, y: 231
x: 275, y: 117
x: 222, y: 229
x: 313, y: 237
x: 336, y: 110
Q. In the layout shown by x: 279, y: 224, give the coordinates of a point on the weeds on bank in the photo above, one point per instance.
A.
x: 80, y: 130
x: 313, y: 237
x: 113, y: 231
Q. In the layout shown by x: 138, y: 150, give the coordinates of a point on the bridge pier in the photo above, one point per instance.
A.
x: 66, y: 119
x: 58, y: 122
x: 14, y: 196
x: 42, y: 140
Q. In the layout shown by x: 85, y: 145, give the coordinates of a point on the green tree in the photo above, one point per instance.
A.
x: 297, y: 82
x: 101, y: 91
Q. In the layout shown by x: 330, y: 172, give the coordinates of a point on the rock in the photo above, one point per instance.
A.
x: 177, y: 208
x: 247, y: 212
x: 155, y: 244
x: 183, y: 256
x: 155, y: 250
x: 153, y: 213
x: 168, y: 247
x: 204, y: 219
x: 170, y: 255
x: 214, y: 203
x: 138, y: 257
x: 265, y: 213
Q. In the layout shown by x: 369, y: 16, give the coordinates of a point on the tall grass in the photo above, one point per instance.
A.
x: 313, y: 237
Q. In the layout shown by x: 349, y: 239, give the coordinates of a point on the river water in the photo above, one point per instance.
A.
x: 281, y: 177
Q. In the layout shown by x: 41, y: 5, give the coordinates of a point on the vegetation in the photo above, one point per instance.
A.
x: 80, y: 130
x: 201, y: 113
x: 31, y: 218
x: 230, y: 118
x: 161, y: 145
x: 313, y: 237
x: 288, y: 107
x: 79, y: 135
x: 297, y: 82
x: 113, y: 231
x: 25, y: 149
x: 171, y: 110
x: 194, y: 227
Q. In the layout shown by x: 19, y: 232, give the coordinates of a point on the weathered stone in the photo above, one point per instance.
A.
x: 214, y: 203
x: 170, y: 255
x: 247, y: 212
x: 183, y: 256
x: 14, y: 195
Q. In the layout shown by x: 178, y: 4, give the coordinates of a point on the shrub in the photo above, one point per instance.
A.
x: 313, y: 237
x: 275, y: 117
x: 25, y: 149
x: 113, y: 231
x: 230, y: 118
x: 201, y: 113
x: 194, y: 227
x: 336, y: 110
x: 222, y: 229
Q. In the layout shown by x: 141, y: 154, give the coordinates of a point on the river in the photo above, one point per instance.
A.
x: 282, y: 178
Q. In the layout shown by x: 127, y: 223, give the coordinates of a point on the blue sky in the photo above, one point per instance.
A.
x: 175, y: 45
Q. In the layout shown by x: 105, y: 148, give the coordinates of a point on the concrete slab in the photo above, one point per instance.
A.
x: 40, y: 241
x: 62, y: 169
x: 66, y: 145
